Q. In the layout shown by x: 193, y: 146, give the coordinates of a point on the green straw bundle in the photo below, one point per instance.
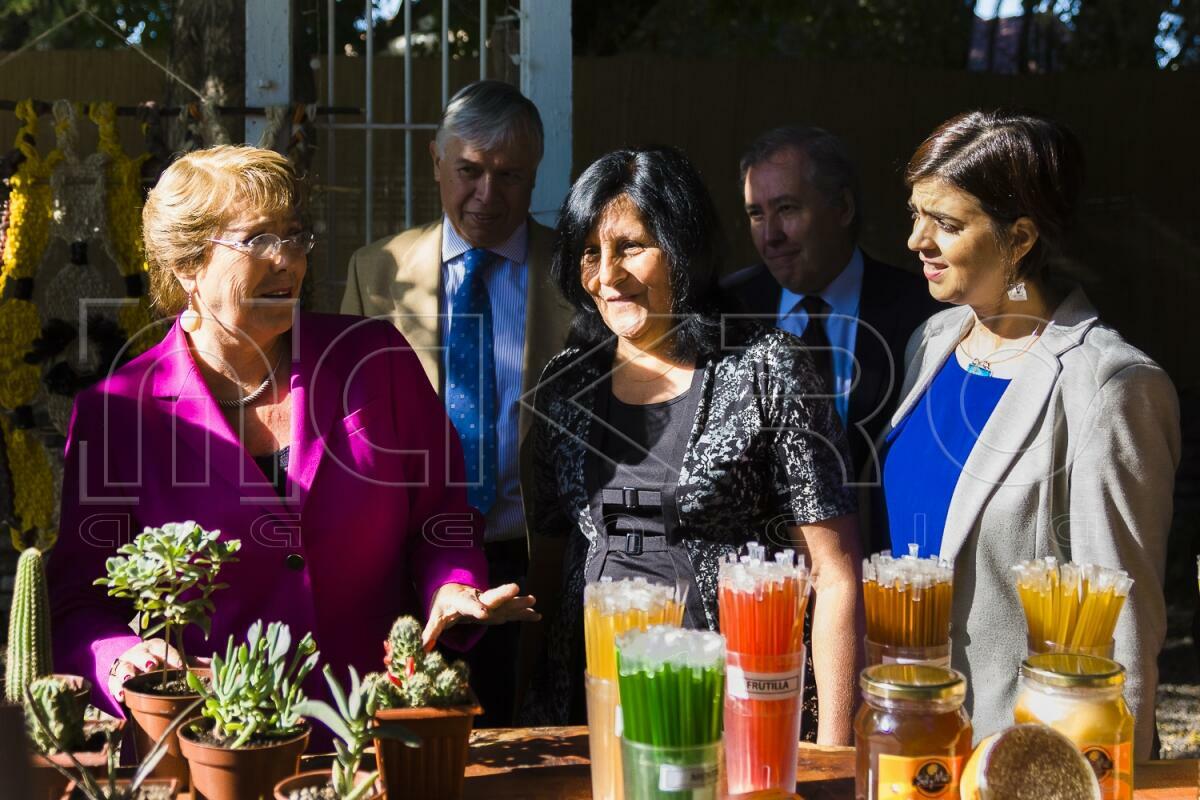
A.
x: 672, y: 684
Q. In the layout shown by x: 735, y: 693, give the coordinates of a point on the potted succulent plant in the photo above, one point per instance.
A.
x: 29, y: 654
x: 81, y: 783
x: 55, y: 727
x: 351, y: 722
x: 251, y: 734
x: 433, y: 699
x: 169, y: 574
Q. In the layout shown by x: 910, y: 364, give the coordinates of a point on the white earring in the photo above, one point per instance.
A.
x: 1017, y: 292
x: 189, y: 320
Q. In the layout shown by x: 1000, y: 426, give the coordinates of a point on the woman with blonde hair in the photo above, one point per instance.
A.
x: 314, y: 439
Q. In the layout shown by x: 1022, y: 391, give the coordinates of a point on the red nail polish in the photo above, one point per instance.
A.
x: 149, y: 665
x: 126, y: 679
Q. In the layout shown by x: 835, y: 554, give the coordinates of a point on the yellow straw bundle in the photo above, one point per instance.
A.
x: 1070, y: 606
x: 611, y: 608
x: 907, y: 599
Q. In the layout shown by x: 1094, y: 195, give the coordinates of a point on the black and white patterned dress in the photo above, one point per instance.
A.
x: 766, y: 451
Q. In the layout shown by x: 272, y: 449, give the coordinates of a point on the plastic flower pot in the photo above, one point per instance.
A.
x: 435, y: 771
x: 152, y: 713
x: 317, y: 779
x: 151, y: 789
x: 244, y: 773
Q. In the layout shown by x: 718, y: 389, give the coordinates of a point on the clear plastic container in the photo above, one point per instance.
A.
x: 604, y: 737
x: 763, y: 704
x: 1080, y: 696
x: 934, y: 655
x: 911, y: 735
x: 672, y: 773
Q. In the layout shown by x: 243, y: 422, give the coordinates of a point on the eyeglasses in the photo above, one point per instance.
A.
x: 268, y: 245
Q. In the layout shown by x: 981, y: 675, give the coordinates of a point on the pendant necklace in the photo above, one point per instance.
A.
x: 983, y: 367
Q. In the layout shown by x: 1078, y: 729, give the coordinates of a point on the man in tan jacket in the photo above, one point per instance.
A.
x: 486, y: 260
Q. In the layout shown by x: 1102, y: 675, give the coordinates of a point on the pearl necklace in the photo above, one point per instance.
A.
x: 249, y: 399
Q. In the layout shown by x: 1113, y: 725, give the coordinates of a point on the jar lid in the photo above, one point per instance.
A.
x: 1073, y: 671
x: 913, y: 682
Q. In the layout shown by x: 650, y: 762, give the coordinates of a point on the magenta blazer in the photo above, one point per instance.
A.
x: 374, y: 522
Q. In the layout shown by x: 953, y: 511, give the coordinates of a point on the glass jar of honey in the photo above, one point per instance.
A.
x: 911, y: 735
x: 1080, y: 697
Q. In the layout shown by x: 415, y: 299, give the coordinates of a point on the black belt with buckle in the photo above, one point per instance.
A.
x: 630, y: 498
x: 635, y: 544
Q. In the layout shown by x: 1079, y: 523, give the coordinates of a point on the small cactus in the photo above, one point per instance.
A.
x: 60, y: 707
x: 416, y: 678
x: 405, y: 640
x: 450, y: 687
x: 418, y: 690
x: 28, y: 627
x: 382, y: 692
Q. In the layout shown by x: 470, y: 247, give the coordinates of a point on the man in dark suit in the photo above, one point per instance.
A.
x: 855, y: 314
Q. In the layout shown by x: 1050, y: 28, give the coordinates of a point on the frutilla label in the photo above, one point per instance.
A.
x: 745, y: 685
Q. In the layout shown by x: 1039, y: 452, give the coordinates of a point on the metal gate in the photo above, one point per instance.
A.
x: 355, y: 206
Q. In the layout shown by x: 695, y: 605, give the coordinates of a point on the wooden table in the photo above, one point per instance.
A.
x: 532, y: 763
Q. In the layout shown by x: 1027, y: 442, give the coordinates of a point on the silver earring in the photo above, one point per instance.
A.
x: 1017, y: 292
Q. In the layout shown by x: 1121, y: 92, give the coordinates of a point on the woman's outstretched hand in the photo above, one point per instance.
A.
x: 456, y: 602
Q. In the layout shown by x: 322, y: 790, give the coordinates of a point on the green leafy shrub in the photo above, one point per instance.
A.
x: 169, y: 574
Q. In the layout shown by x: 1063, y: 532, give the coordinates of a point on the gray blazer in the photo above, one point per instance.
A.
x: 1077, y: 461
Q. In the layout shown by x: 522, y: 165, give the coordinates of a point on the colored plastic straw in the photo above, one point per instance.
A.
x: 908, y: 599
x: 762, y: 602
x: 610, y: 608
x: 762, y: 605
x: 672, y: 686
x: 1070, y: 606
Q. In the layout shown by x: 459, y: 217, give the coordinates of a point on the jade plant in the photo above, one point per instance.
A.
x: 415, y: 678
x: 28, y: 627
x: 85, y: 781
x: 169, y: 574
x: 54, y: 715
x: 255, y: 689
x: 351, y: 723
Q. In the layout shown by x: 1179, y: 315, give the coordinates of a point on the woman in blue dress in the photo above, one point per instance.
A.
x: 1028, y: 428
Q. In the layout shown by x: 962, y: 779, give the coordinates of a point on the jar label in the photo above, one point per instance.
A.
x: 679, y: 778
x: 905, y: 778
x: 1113, y: 765
x: 745, y: 685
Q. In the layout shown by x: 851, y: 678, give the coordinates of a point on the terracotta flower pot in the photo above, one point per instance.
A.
x: 170, y: 786
x: 317, y: 778
x: 153, y: 713
x: 434, y: 771
x: 81, y: 685
x: 47, y: 783
x: 247, y: 773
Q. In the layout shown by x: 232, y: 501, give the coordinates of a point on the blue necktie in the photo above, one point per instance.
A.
x: 471, y: 379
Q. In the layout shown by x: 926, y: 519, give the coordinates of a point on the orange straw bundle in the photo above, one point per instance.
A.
x: 907, y: 599
x: 762, y: 604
